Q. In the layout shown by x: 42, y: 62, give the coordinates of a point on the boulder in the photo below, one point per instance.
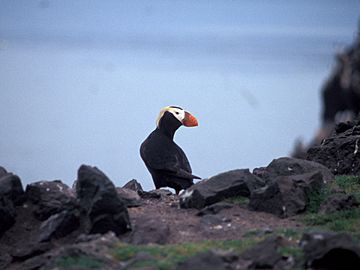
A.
x: 11, y: 195
x: 50, y: 197
x: 339, y: 202
x: 265, y: 255
x: 98, y: 198
x: 59, y: 225
x: 330, y: 251
x: 220, y: 187
x: 286, y: 195
x: 2, y: 171
x: 286, y: 166
x: 340, y: 152
x: 11, y: 188
x: 7, y: 214
x: 150, y: 230
x: 289, y: 183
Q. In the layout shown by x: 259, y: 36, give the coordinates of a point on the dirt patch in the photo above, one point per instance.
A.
x: 185, y: 226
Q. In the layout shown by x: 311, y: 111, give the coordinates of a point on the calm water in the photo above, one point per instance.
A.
x: 84, y: 83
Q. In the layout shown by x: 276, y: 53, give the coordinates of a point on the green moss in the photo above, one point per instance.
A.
x: 350, y: 184
x: 240, y: 200
x: 79, y: 262
x: 167, y: 256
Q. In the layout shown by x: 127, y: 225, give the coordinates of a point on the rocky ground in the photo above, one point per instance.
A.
x: 235, y: 220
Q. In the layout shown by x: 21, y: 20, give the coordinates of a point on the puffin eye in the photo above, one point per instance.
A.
x: 177, y: 112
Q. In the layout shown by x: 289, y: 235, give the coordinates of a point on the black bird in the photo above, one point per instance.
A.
x: 165, y: 160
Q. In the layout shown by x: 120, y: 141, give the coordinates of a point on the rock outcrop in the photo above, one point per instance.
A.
x: 341, y: 151
x: 289, y: 183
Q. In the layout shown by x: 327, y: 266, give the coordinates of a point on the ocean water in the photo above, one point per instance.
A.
x: 83, y: 84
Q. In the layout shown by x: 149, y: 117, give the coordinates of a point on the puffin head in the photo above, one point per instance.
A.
x: 185, y: 118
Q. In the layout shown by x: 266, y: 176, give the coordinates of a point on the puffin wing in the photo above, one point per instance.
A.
x: 170, y: 160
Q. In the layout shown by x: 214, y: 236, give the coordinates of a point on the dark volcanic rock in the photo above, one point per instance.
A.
x: 133, y: 185
x: 289, y: 183
x: 2, y: 171
x: 98, y: 198
x: 219, y: 187
x: 149, y: 230
x: 340, y: 152
x: 28, y: 250
x: 265, y: 255
x: 59, y: 225
x: 339, y: 202
x: 286, y: 166
x: 286, y: 195
x: 5, y: 260
x: 50, y: 197
x: 7, y: 214
x: 96, y: 251
x: 11, y: 187
x: 11, y: 195
x: 330, y: 251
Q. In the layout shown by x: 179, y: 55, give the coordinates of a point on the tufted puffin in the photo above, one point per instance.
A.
x: 165, y: 160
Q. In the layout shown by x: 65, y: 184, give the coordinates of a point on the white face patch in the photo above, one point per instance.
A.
x: 177, y: 112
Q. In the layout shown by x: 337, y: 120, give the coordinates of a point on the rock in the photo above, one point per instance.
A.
x: 11, y: 187
x: 287, y: 195
x: 340, y: 152
x: 339, y: 202
x: 2, y: 171
x: 289, y: 183
x: 11, y: 195
x: 330, y: 251
x: 130, y: 197
x: 265, y: 255
x: 5, y: 259
x: 98, y: 198
x: 219, y: 187
x: 214, y: 208
x: 155, y: 194
x: 95, y: 254
x: 133, y: 185
x: 7, y: 214
x: 50, y: 197
x: 59, y: 225
x: 286, y: 166
x: 214, y: 221
x: 208, y: 260
x: 29, y: 250
x: 150, y: 230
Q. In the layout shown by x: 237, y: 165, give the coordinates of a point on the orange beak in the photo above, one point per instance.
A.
x: 189, y: 120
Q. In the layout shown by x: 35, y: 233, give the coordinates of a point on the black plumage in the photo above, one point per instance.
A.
x: 165, y: 160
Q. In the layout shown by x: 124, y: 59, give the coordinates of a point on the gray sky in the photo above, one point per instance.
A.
x: 83, y: 81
